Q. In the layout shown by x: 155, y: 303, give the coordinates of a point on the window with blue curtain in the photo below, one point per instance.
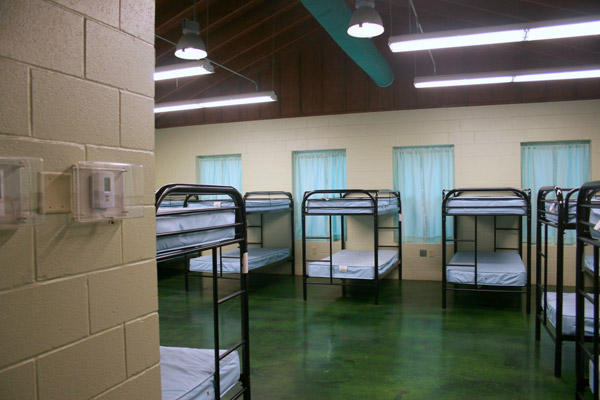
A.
x: 316, y: 170
x: 564, y: 164
x: 223, y: 169
x: 420, y: 174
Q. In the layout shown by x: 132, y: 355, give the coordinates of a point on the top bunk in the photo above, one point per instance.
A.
x: 268, y: 202
x: 351, y: 202
x: 557, y: 206
x: 486, y: 201
x: 188, y: 223
x: 588, y: 213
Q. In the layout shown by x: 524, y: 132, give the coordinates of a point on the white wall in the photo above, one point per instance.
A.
x: 78, y: 302
x: 486, y: 143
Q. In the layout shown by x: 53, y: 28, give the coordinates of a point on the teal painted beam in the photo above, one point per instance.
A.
x: 334, y: 15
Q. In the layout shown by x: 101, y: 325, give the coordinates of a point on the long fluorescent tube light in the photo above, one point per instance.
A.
x: 544, y: 30
x: 531, y: 75
x: 220, y: 101
x: 184, y: 69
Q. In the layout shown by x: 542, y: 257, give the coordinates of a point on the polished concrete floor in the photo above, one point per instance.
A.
x: 407, y: 347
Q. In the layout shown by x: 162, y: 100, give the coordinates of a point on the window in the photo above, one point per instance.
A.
x: 315, y: 170
x: 220, y: 170
x: 420, y: 174
x: 564, y: 164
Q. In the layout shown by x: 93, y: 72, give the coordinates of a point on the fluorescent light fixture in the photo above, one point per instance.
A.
x: 220, y: 101
x: 555, y: 29
x: 190, y: 68
x: 366, y: 21
x: 508, y: 77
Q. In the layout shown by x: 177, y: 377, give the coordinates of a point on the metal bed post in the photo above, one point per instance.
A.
x: 559, y: 285
x: 303, y: 247
x: 215, y: 287
x: 376, y: 252
x: 528, y: 290
x: 293, y: 236
x: 400, y: 266
x: 475, y: 258
x: 444, y: 256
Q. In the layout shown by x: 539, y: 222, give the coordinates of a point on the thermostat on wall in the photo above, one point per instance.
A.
x: 21, y: 199
x: 103, y: 190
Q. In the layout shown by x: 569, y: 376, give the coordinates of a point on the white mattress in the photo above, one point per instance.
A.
x: 595, y: 219
x: 588, y: 262
x: 353, y: 264
x: 257, y: 257
x: 494, y: 269
x: 569, y: 320
x: 180, y: 222
x: 486, y: 205
x: 189, y: 373
x: 350, y: 205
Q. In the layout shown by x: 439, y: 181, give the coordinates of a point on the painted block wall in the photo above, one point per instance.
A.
x: 486, y: 143
x: 78, y: 302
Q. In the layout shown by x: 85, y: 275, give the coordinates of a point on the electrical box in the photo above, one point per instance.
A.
x: 107, y: 191
x: 21, y: 193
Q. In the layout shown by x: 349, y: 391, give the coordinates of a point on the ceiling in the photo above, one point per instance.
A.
x: 280, y: 45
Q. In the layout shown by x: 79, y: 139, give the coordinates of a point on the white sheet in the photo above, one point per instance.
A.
x: 353, y: 264
x: 187, y: 373
x: 257, y: 257
x: 486, y: 205
x: 493, y: 268
x: 569, y: 318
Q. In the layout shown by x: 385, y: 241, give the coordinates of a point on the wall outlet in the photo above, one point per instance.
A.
x: 422, y: 253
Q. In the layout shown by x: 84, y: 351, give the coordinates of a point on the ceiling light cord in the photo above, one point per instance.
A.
x: 420, y: 28
x: 236, y: 73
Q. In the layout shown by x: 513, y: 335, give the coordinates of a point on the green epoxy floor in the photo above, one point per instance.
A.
x: 407, y: 347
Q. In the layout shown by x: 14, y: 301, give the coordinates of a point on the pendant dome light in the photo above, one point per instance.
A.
x: 191, y: 46
x: 366, y: 21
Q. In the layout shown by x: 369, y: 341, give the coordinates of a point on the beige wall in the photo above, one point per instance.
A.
x: 78, y: 302
x: 486, y: 147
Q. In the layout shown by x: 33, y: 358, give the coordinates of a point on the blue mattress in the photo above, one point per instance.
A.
x: 571, y: 212
x: 588, y: 262
x: 493, y: 269
x: 595, y: 220
x: 253, y: 206
x: 350, y: 205
x: 187, y: 374
x: 257, y: 257
x: 181, y: 222
x: 569, y: 320
x: 353, y: 264
x: 486, y: 205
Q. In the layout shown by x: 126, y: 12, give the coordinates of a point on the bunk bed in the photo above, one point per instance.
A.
x: 556, y: 209
x: 351, y: 267
x: 183, y: 229
x: 258, y: 205
x: 587, y: 284
x: 480, y: 271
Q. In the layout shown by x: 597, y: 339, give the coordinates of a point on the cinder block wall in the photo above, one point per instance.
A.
x: 487, y: 152
x: 78, y: 302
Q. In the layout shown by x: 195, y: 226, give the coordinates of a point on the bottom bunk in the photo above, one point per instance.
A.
x: 187, y: 373
x: 229, y: 261
x: 493, y: 269
x: 353, y: 264
x: 569, y: 315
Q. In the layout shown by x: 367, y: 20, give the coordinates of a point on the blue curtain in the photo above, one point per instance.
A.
x: 315, y: 170
x: 220, y: 170
x: 420, y: 174
x: 564, y: 164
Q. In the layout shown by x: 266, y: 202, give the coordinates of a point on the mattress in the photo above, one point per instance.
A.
x: 571, y: 212
x: 257, y: 257
x: 256, y: 206
x: 189, y: 373
x: 588, y: 262
x: 180, y: 222
x: 569, y: 319
x: 493, y: 269
x: 353, y: 264
x: 350, y: 205
x: 595, y: 220
x: 486, y: 205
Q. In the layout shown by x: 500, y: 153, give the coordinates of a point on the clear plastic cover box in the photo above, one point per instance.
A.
x: 21, y: 192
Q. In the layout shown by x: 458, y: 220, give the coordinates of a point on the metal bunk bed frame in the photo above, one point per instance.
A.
x: 330, y: 238
x: 260, y: 225
x: 449, y: 194
x: 587, y: 348
x: 240, y: 239
x: 560, y: 211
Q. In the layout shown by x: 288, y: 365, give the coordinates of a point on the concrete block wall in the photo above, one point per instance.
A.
x: 486, y: 143
x: 78, y: 301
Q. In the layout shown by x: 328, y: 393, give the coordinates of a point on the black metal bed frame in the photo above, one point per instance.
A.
x: 587, y: 348
x: 240, y: 239
x: 447, y: 195
x: 559, y: 210
x: 269, y: 196
x: 373, y: 196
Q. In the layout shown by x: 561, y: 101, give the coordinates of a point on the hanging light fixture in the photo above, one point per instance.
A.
x: 191, y: 46
x: 220, y: 101
x: 365, y: 22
